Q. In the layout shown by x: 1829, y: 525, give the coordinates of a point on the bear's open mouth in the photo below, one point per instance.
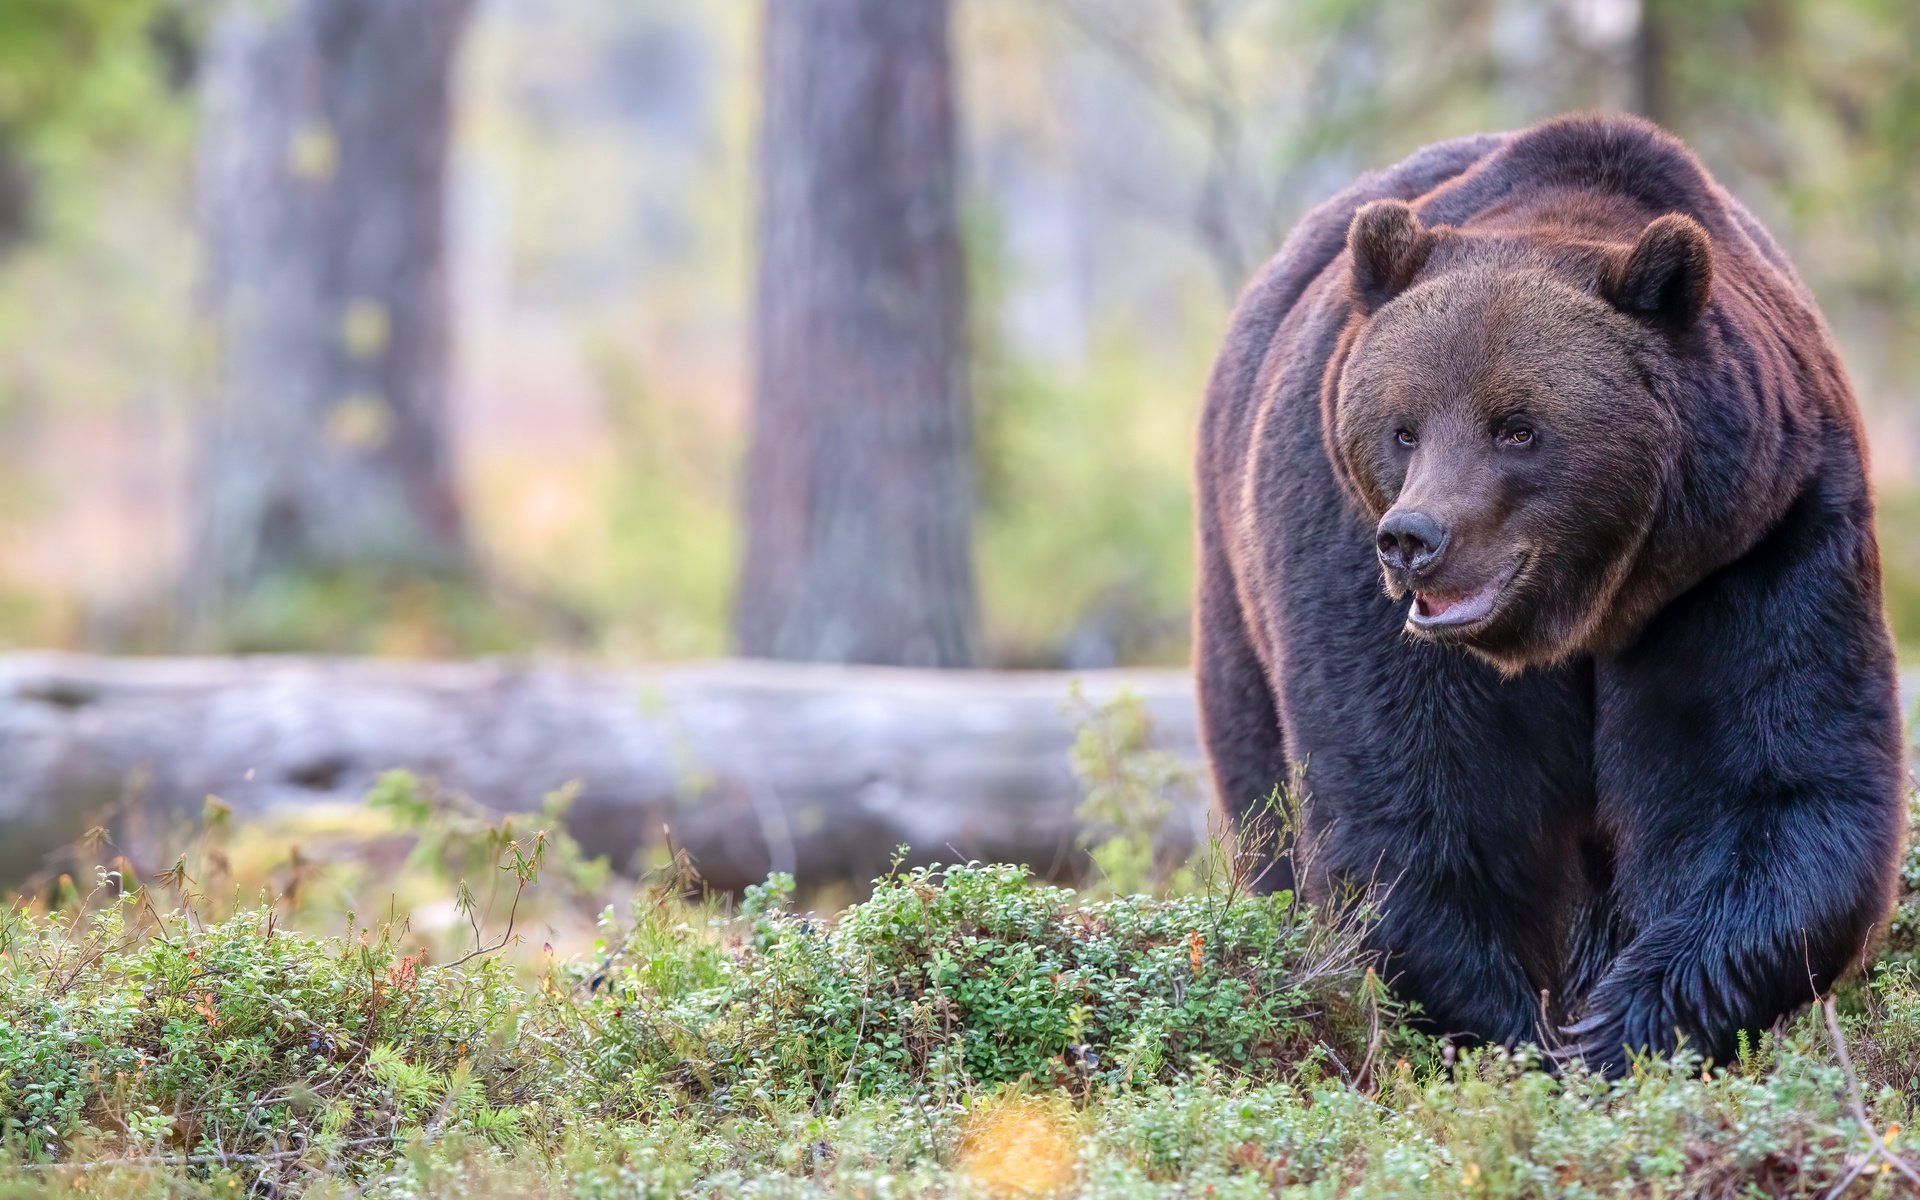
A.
x: 1436, y: 611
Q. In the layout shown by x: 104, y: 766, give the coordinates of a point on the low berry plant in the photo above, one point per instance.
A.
x: 965, y: 1031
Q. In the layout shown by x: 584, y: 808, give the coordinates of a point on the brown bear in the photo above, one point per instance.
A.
x: 1535, y: 531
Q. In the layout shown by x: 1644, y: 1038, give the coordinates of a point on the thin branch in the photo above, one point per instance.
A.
x: 1877, y: 1150
x: 202, y: 1160
x: 1129, y: 48
x: 512, y: 913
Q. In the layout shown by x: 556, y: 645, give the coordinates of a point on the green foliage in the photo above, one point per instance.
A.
x: 965, y: 1032
x: 401, y: 614
x: 1903, y: 937
x: 960, y: 977
x: 1084, y: 538
x: 638, y: 545
x: 1885, y: 1034
x: 1493, y: 1127
x: 1130, y: 790
x: 1898, y: 524
x: 669, y: 501
x: 76, y: 65
x: 458, y: 839
x: 131, y: 1033
x: 962, y: 1031
x: 1084, y: 535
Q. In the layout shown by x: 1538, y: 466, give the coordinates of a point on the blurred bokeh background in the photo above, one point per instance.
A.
x: 428, y: 327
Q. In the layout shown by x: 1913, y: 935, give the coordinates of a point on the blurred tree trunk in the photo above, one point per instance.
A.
x: 17, y: 193
x: 1652, y: 50
x: 859, y: 489
x: 324, y: 446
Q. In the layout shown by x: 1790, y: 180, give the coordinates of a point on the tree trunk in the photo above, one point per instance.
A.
x: 1652, y: 51
x: 817, y: 770
x: 324, y: 446
x: 18, y: 193
x: 859, y: 489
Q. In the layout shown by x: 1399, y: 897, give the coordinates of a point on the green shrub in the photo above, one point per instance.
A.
x: 1903, y: 937
x: 963, y: 1032
x: 962, y: 977
x: 129, y: 1034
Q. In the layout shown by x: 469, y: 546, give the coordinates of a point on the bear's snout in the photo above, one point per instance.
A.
x: 1411, y: 542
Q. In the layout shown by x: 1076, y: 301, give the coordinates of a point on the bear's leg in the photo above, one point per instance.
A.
x: 1593, y: 937
x: 1460, y: 798
x: 1748, y: 760
x: 1454, y: 952
x: 1239, y: 721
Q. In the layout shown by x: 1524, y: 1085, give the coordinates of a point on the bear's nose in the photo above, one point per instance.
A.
x: 1410, y: 541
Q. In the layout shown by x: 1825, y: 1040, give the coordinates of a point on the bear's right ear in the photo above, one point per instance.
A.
x: 1388, y: 248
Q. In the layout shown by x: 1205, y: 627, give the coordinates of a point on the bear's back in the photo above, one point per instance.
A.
x: 1621, y: 163
x: 1623, y: 167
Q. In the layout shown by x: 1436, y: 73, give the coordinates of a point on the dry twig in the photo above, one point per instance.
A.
x: 1877, y: 1149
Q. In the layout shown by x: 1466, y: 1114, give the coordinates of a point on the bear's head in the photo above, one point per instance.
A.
x: 1498, y: 414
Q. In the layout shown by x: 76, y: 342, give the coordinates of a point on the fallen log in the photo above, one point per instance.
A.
x: 753, y: 766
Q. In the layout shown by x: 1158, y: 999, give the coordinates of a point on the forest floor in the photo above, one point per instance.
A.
x: 965, y: 1031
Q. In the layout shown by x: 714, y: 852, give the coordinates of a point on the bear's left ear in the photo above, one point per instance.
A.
x: 1388, y: 248
x: 1667, y: 276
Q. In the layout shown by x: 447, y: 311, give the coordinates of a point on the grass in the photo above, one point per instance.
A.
x: 965, y: 1031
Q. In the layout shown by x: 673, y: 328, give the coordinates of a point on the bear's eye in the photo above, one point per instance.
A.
x: 1517, y: 435
x: 1405, y: 438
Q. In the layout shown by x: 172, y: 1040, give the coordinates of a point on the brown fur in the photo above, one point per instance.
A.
x: 1582, y: 380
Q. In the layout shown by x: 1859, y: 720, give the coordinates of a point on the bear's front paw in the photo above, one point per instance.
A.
x: 1600, y: 1040
x: 1618, y: 1023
